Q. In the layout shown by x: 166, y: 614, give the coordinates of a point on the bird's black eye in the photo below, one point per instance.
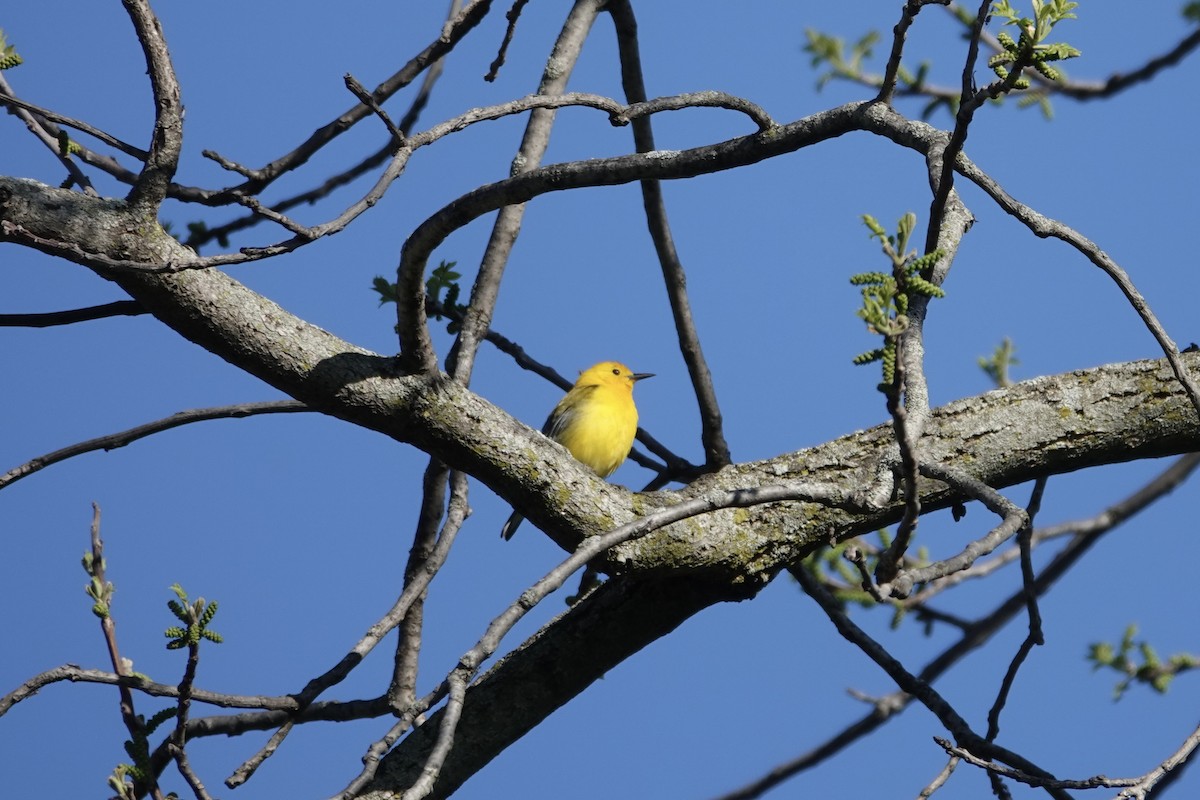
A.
x: 616, y: 371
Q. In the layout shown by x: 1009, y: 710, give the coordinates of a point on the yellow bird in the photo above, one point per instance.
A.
x: 596, y: 421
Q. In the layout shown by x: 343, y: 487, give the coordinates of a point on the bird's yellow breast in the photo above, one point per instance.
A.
x: 601, y: 429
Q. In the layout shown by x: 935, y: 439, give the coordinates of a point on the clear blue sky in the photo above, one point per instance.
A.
x: 299, y: 525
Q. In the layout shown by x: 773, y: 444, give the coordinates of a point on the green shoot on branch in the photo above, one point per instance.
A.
x: 997, y: 364
x: 195, y: 615
x: 886, y: 297
x: 830, y: 566
x: 443, y: 278
x: 99, y: 589
x: 9, y: 57
x: 831, y: 51
x: 1151, y: 670
x: 138, y: 750
x: 1030, y: 49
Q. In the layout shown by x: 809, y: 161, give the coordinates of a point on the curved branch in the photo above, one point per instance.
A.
x: 114, y: 440
x: 166, y: 141
x: 925, y: 138
x: 76, y: 674
x: 658, y: 164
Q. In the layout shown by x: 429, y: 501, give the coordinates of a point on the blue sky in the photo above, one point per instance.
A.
x: 298, y: 525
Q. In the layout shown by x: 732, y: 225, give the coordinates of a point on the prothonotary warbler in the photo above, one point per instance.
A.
x: 596, y: 421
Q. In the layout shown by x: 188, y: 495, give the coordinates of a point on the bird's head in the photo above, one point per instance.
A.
x: 611, y: 373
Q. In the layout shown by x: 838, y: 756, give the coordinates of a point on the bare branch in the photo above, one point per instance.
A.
x: 76, y: 674
x: 1119, y: 82
x: 101, y: 590
x: 417, y: 578
x: 716, y: 449
x: 1042, y: 781
x: 166, y: 141
x: 1045, y: 227
x: 46, y: 137
x: 6, y: 98
x: 114, y: 440
x: 514, y: 13
x: 119, y: 308
x: 1013, y: 520
x: 410, y: 305
x: 452, y: 33
x: 887, y: 84
x: 914, y: 685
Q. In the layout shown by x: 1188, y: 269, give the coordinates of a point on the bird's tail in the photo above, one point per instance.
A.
x: 510, y: 527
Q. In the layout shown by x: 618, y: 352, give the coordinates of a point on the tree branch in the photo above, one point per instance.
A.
x: 114, y: 440
x: 166, y: 141
x: 716, y: 449
x: 119, y: 308
x: 410, y: 305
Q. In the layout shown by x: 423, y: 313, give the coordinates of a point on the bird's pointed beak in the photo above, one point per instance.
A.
x: 641, y: 376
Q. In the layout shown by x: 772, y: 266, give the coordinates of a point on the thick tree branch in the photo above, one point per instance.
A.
x: 606, y: 627
x: 1053, y: 424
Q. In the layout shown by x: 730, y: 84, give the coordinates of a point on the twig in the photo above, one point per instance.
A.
x: 447, y: 725
x: 887, y: 85
x: 364, y: 97
x: 220, y: 233
x: 77, y: 674
x: 7, y: 98
x: 940, y: 780
x: 1045, y: 227
x: 1013, y: 519
x: 1161, y: 773
x: 1107, y: 519
x: 429, y: 551
x: 1042, y: 781
x: 126, y: 308
x: 101, y: 592
x: 452, y: 33
x: 514, y: 13
x: 40, y: 130
x: 114, y: 440
x: 1118, y: 82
